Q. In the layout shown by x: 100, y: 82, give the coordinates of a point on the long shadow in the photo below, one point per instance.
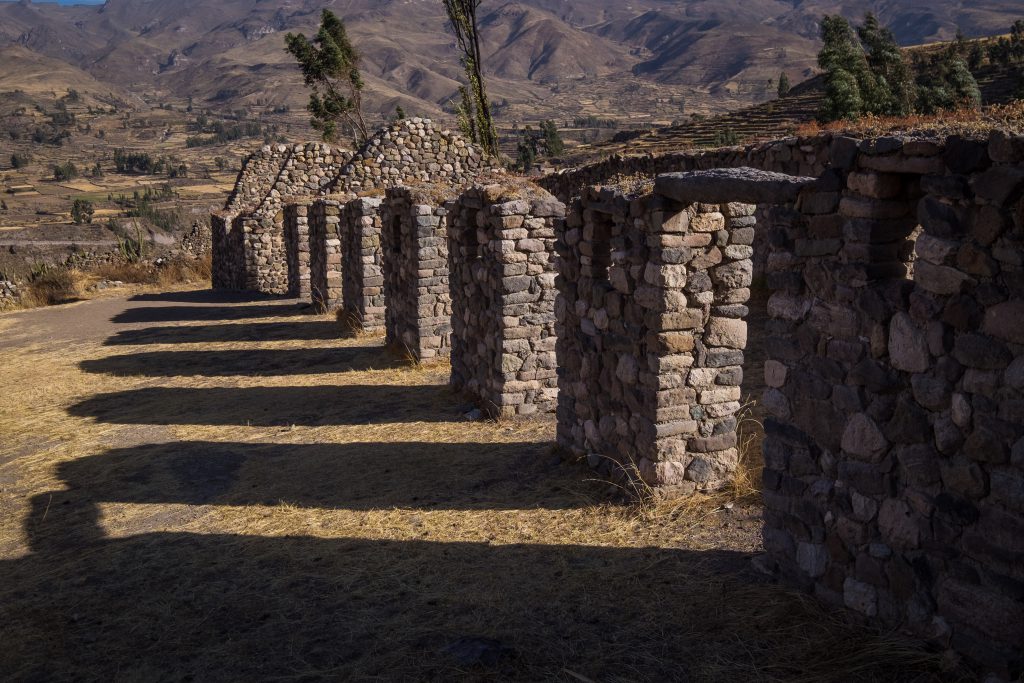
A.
x: 163, y: 314
x: 205, y: 296
x: 247, y: 363
x: 355, y: 476
x: 227, y: 607
x: 313, y: 330
x: 184, y: 607
x: 273, y: 406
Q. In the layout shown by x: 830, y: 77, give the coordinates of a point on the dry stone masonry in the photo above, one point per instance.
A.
x: 894, y: 481
x: 414, y: 248
x: 325, y: 274
x: 255, y: 180
x: 502, y: 264
x: 362, y: 271
x: 306, y: 172
x: 253, y: 250
x: 410, y: 151
x: 894, y: 474
x: 297, y: 248
x: 650, y: 351
x: 894, y: 371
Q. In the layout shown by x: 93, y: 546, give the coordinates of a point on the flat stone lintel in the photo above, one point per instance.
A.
x: 723, y: 185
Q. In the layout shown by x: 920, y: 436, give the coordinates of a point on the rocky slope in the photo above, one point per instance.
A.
x: 546, y: 57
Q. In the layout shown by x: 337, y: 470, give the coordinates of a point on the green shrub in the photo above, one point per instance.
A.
x: 82, y: 211
x: 784, y: 86
x: 65, y: 171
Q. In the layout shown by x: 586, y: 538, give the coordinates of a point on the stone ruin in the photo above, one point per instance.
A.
x: 362, y: 270
x: 297, y: 236
x: 324, y: 254
x: 894, y: 371
x: 249, y: 234
x: 414, y: 252
x: 9, y: 294
x: 407, y: 152
x: 260, y: 239
x: 502, y: 269
x: 651, y: 309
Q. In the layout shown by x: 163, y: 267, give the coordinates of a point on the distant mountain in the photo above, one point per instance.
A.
x: 643, y: 59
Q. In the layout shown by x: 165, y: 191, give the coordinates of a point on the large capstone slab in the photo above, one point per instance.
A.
x: 723, y: 185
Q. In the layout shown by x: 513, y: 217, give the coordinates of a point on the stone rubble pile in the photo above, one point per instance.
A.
x: 9, y: 294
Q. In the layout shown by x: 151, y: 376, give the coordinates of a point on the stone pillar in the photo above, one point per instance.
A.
x: 297, y: 248
x: 265, y: 261
x: 651, y: 336
x: 362, y: 274
x: 501, y: 256
x: 414, y: 247
x: 325, y: 254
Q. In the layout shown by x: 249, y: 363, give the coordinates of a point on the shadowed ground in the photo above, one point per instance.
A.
x: 203, y: 487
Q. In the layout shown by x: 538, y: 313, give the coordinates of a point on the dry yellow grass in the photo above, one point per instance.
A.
x: 62, y: 285
x: 968, y: 122
x: 232, y: 492
x: 210, y: 188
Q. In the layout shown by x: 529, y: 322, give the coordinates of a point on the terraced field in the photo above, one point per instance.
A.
x: 768, y: 120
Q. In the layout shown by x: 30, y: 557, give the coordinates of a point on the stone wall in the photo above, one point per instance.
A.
x: 266, y: 269
x: 650, y: 357
x: 894, y: 449
x: 414, y: 248
x: 894, y: 480
x: 362, y: 273
x: 325, y: 254
x: 796, y: 156
x: 258, y: 174
x: 308, y: 169
x: 501, y: 259
x: 248, y: 234
x: 407, y: 152
x: 228, y: 252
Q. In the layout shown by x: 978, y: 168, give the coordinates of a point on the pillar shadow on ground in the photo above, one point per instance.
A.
x: 181, y: 606
x: 209, y: 296
x: 297, y: 330
x: 245, y: 362
x: 246, y: 606
x: 176, y: 313
x: 356, y: 476
x: 273, y: 406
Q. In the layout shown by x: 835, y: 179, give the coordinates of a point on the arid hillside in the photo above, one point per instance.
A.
x: 649, y: 60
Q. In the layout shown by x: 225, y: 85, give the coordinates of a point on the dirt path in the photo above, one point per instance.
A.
x: 200, y: 487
